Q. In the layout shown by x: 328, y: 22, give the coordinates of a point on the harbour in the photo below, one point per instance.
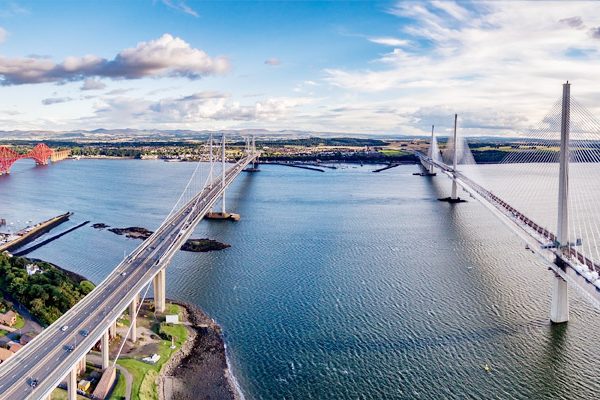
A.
x: 11, y: 241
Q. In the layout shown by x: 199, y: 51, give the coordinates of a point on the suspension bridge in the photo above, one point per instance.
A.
x: 60, y: 350
x: 41, y: 153
x: 550, y: 200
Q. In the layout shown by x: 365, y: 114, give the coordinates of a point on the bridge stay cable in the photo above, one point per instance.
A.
x: 528, y: 203
x: 45, y: 361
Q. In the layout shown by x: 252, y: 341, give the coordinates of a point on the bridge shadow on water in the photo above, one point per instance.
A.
x: 553, y: 370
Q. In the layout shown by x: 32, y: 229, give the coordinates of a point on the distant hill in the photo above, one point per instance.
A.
x: 128, y: 134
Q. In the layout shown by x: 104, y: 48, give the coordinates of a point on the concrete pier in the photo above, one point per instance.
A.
x: 81, y: 365
x: 72, y: 384
x: 159, y: 283
x: 105, y: 350
x: 112, y: 330
x: 132, y: 319
x: 559, y: 311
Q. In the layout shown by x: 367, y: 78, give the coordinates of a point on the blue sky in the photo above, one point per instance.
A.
x: 357, y: 66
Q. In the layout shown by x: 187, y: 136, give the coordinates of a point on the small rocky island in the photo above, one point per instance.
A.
x: 194, y: 245
x: 133, y: 232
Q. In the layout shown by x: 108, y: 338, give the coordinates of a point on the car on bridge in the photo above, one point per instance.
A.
x: 69, y: 348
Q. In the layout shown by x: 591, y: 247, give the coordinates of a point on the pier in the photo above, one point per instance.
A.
x: 24, y: 236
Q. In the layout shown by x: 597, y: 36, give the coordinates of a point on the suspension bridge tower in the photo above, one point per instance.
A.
x: 223, y: 214
x: 251, y: 148
x: 559, y: 311
x: 432, y: 149
x: 454, y: 197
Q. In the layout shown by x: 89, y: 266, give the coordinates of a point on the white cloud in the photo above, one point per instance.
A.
x: 180, y: 5
x: 451, y: 8
x: 574, y: 22
x: 118, y: 92
x: 165, y: 56
x: 207, y: 107
x: 511, y: 57
x: 389, y: 41
x: 11, y: 9
x: 93, y: 84
x: 56, y: 100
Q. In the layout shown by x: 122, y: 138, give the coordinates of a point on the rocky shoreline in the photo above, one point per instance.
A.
x: 199, y: 369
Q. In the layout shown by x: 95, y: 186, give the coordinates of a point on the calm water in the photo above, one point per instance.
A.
x: 338, y: 285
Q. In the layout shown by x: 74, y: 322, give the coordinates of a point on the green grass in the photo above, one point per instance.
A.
x: 118, y: 392
x: 144, y: 375
x: 61, y: 394
x: 138, y: 370
x: 173, y: 309
x: 392, y: 152
x: 20, y: 322
x: 148, y: 390
x: 3, y: 332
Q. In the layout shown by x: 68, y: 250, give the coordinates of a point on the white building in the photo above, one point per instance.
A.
x: 32, y: 269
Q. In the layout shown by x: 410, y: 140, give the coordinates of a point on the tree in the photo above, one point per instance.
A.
x: 85, y: 287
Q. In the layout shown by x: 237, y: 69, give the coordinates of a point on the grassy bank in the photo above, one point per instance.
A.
x: 145, y: 375
x: 118, y: 392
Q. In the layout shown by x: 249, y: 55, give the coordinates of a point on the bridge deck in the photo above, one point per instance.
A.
x: 46, y: 359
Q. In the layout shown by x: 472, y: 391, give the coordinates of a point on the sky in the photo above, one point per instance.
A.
x: 379, y: 67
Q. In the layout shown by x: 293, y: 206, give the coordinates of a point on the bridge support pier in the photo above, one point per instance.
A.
x: 105, y: 350
x: 159, y: 291
x: 81, y: 365
x: 559, y: 311
x: 72, y: 384
x: 132, y: 319
x: 112, y: 330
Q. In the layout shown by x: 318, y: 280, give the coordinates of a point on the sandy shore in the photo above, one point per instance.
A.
x: 199, y: 370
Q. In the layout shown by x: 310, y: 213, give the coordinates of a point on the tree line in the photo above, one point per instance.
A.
x: 47, y: 294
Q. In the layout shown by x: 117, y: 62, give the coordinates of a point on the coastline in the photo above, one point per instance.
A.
x: 72, y: 275
x: 201, y: 365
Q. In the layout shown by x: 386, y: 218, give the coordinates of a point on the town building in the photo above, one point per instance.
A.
x: 5, y: 354
x: 8, y: 318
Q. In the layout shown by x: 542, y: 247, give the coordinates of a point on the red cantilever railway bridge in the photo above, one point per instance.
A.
x: 40, y: 153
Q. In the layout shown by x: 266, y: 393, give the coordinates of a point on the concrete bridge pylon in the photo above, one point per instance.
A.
x: 559, y: 311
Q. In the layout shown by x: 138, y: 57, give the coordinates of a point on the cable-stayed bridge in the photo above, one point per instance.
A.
x: 545, y: 190
x: 60, y: 350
